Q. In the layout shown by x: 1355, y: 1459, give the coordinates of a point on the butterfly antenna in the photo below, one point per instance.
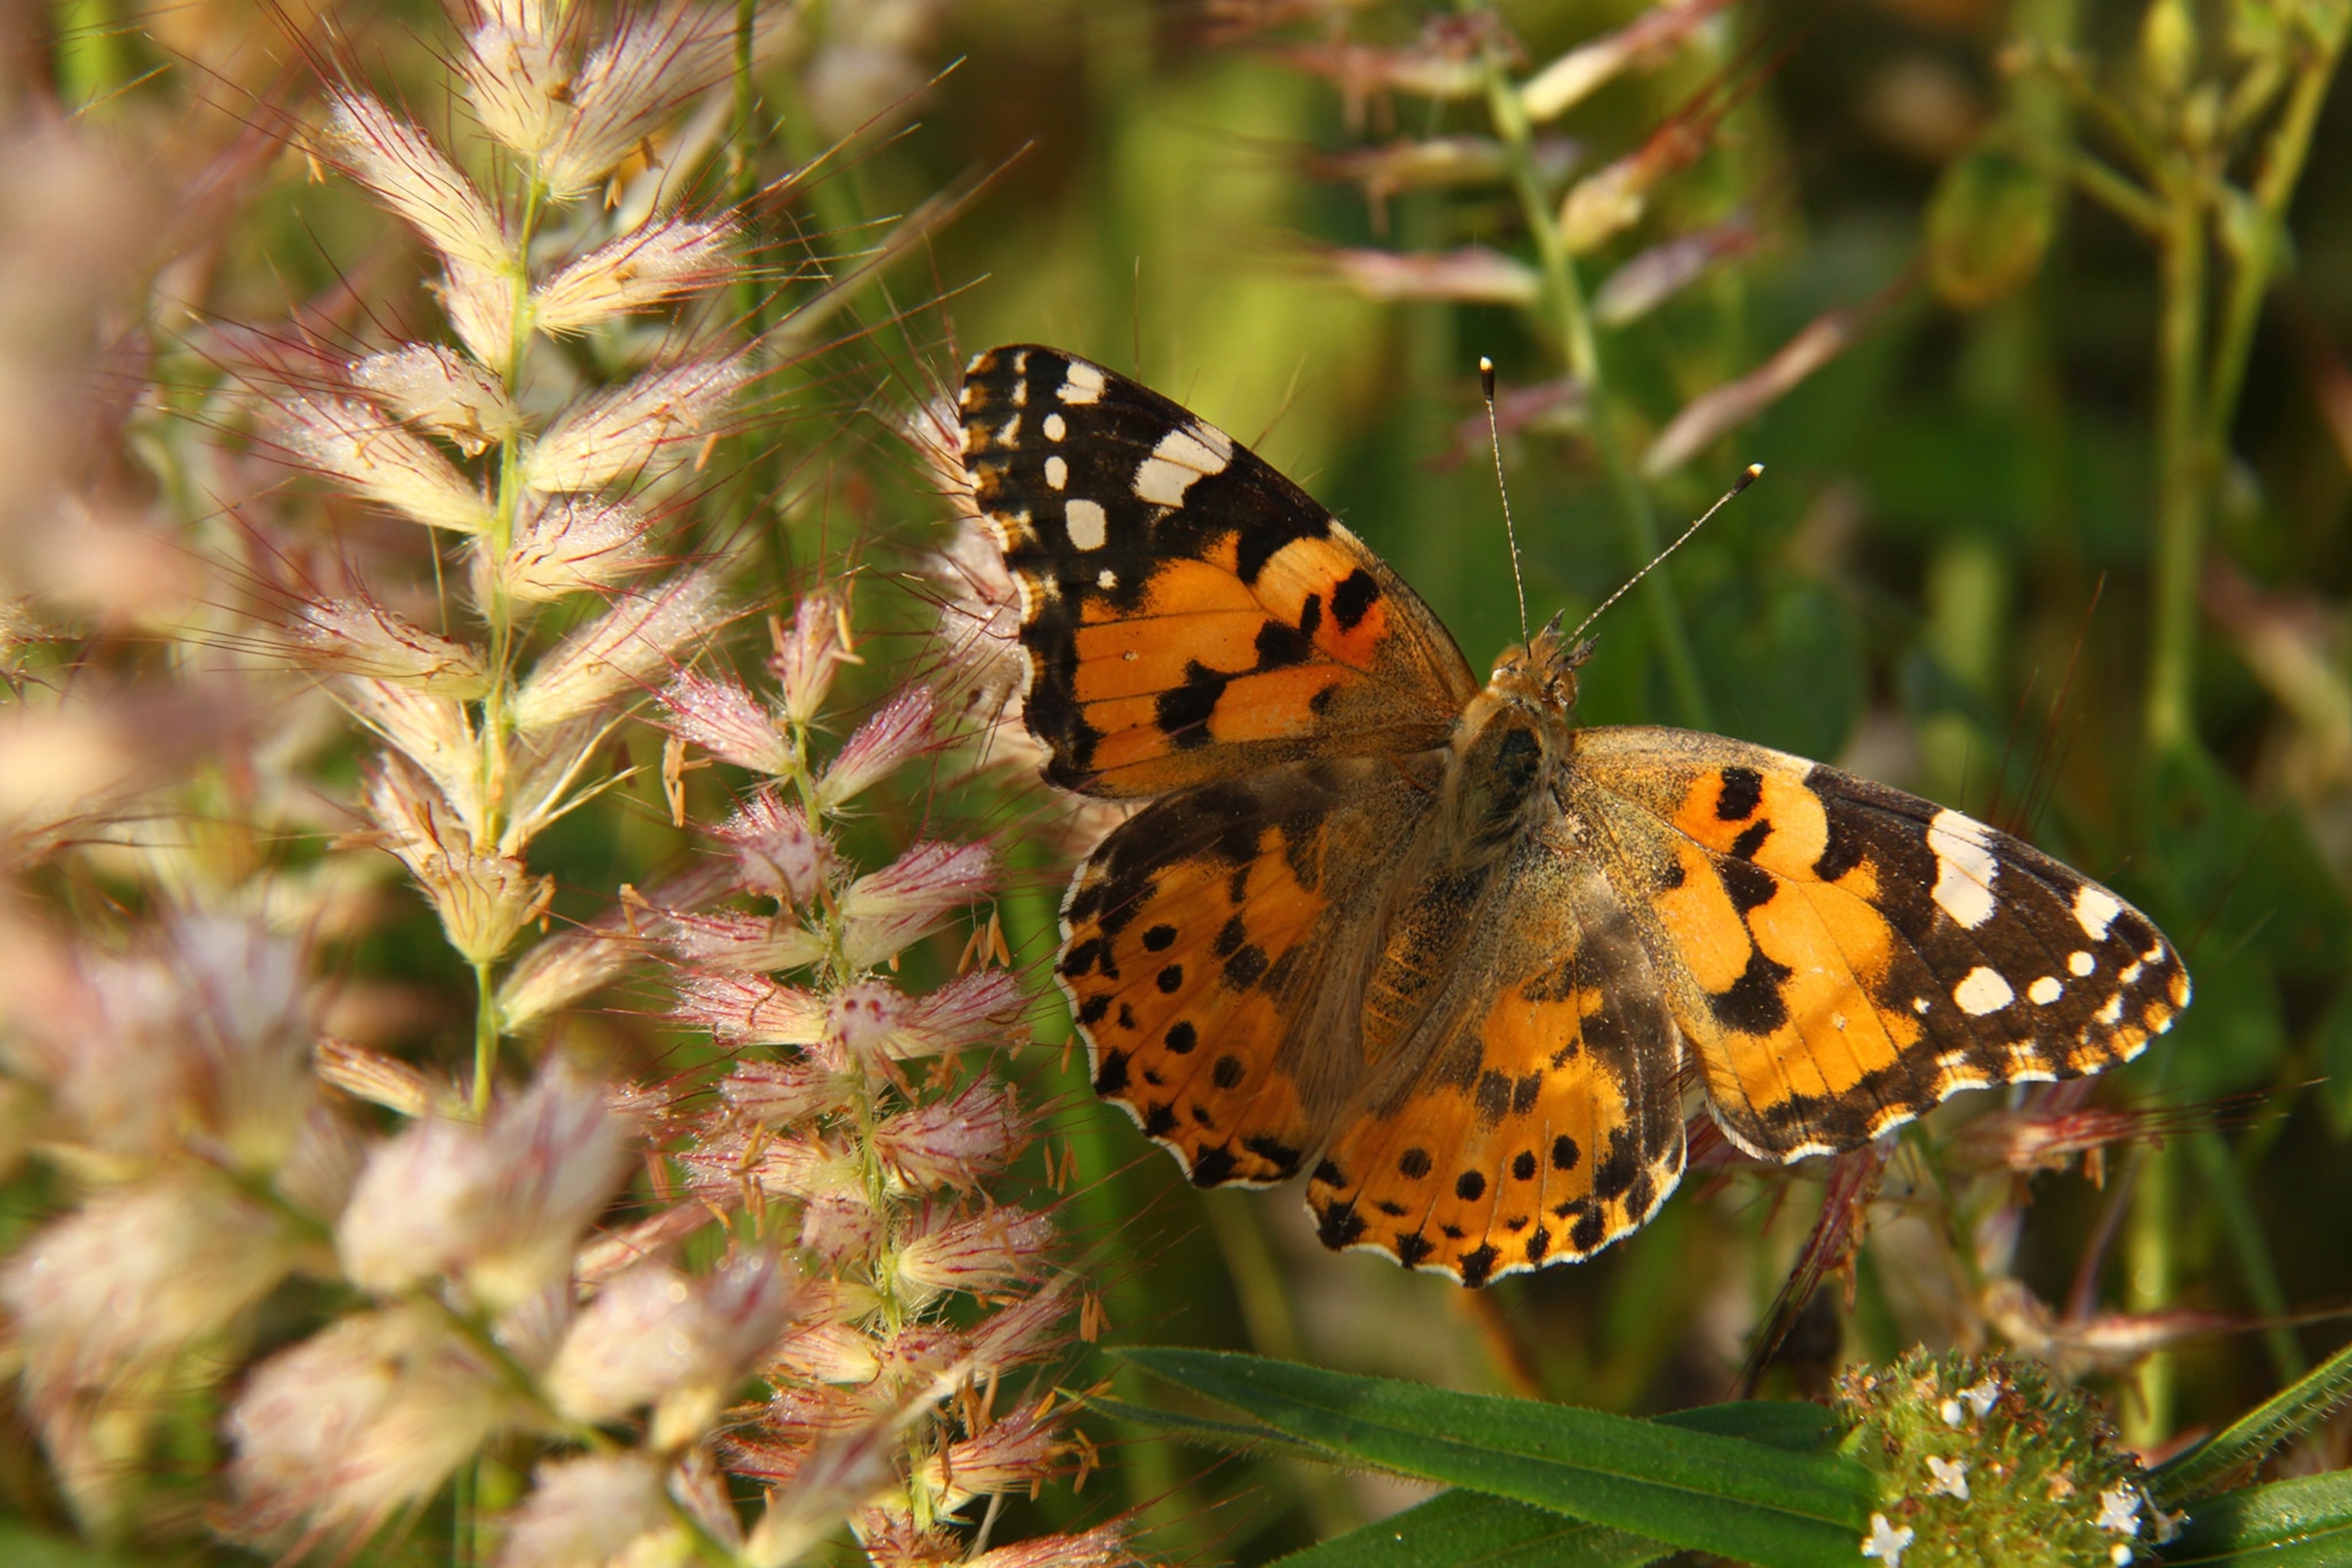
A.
x: 1494, y: 439
x: 1755, y: 470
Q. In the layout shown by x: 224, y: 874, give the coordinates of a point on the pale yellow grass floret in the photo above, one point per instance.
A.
x: 568, y: 543
x: 622, y: 653
x: 375, y: 457
x: 666, y: 259
x: 634, y: 431
x: 627, y: 86
x: 355, y: 637
x: 500, y: 1207
x: 480, y: 305
x: 136, y: 1276
x: 655, y: 1337
x: 447, y: 393
x: 431, y: 731
x: 547, y: 763
x: 409, y: 174
x: 484, y: 900
x: 522, y: 85
x: 593, y: 1510
x: 373, y: 1412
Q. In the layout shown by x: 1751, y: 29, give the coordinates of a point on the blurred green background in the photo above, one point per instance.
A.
x: 1952, y: 578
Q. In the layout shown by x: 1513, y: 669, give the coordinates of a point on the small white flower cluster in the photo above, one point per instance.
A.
x: 1977, y: 1399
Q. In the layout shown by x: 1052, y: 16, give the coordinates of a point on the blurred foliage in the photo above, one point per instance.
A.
x: 1963, y: 574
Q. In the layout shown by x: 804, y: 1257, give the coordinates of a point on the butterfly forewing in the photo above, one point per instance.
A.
x: 1187, y: 613
x: 1843, y: 956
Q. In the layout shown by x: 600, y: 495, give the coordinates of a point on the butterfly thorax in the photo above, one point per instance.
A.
x: 1508, y: 747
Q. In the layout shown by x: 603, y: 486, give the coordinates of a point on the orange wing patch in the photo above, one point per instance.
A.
x: 1188, y: 614
x: 1846, y: 956
x: 1192, y: 943
x: 1550, y: 1122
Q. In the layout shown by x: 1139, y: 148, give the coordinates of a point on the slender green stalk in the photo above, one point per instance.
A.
x: 753, y: 302
x: 2259, y: 1271
x: 497, y: 614
x: 486, y: 1038
x: 2149, y: 1260
x: 1570, y: 324
x: 2182, y: 476
x: 2282, y: 171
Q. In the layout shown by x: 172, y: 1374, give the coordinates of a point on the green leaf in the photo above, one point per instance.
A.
x: 1468, y: 1530
x: 1754, y: 1502
x: 1783, y: 1424
x: 2238, y: 1447
x: 1234, y: 1436
x: 2303, y: 1523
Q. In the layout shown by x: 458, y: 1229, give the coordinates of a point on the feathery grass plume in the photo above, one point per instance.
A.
x: 466, y: 1296
x: 491, y: 725
x: 867, y: 1279
x: 168, y: 1083
x: 868, y: 1141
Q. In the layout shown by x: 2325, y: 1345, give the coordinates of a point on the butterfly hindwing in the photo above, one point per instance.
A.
x: 1198, y: 943
x: 1545, y: 1118
x: 1842, y: 956
x: 1187, y: 613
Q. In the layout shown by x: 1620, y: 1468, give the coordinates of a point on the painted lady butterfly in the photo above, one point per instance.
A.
x: 1434, y: 943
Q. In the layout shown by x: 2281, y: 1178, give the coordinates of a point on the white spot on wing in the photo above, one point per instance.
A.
x: 1086, y: 525
x: 2131, y: 974
x: 1181, y: 457
x: 2079, y: 964
x: 1011, y: 434
x: 2153, y: 954
x: 2046, y: 990
x: 1965, y: 868
x: 1055, y: 427
x: 2113, y: 1010
x: 1107, y: 579
x: 2094, y: 911
x: 1962, y: 1073
x: 1982, y: 992
x: 1919, y: 1003
x: 1058, y: 472
x: 1084, y: 383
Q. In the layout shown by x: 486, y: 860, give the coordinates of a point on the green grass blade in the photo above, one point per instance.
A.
x: 1233, y: 1436
x: 1470, y: 1529
x: 2239, y: 1447
x: 1749, y: 1501
x: 1799, y: 1428
x: 1781, y: 1424
x: 2303, y: 1523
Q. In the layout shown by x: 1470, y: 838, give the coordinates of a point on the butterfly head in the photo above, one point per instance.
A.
x: 1511, y: 740
x: 1539, y: 675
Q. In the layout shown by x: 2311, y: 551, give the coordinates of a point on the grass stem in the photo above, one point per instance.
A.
x: 1570, y: 324
x: 2182, y: 476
